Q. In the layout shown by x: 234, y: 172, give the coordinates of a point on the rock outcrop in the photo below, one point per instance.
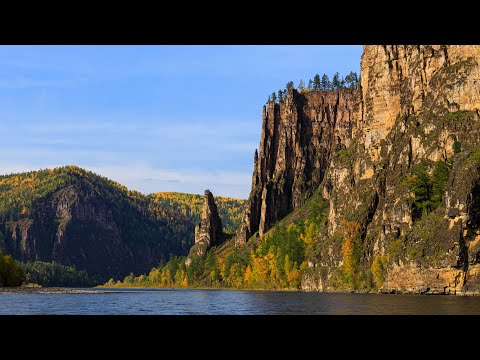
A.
x: 209, y: 231
x: 417, y: 103
x: 297, y: 141
x: 417, y: 111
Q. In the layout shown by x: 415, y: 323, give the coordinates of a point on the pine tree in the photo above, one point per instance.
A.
x: 316, y: 82
x: 301, y: 86
x: 274, y: 97
x: 356, y: 79
x: 310, y: 85
x: 280, y: 96
x: 336, y: 81
x: 351, y: 80
x: 289, y: 86
x: 325, y: 83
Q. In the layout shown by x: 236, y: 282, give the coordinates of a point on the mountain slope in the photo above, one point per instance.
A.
x: 75, y: 217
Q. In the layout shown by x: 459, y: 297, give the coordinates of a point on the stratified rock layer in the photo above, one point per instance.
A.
x: 417, y: 102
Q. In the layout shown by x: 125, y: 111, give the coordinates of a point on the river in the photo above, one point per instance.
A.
x: 224, y: 302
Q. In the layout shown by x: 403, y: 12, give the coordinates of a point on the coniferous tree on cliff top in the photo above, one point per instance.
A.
x: 316, y: 82
x: 310, y: 85
x: 351, y: 80
x: 336, y: 82
x: 301, y: 86
x: 326, y: 85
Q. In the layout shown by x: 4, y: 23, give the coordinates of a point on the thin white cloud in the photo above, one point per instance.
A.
x: 230, y: 136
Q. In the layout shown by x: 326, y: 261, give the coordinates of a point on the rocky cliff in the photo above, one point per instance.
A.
x: 419, y: 115
x: 209, y: 231
x: 398, y: 161
x: 297, y: 141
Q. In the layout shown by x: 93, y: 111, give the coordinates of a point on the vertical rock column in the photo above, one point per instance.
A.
x: 208, y: 232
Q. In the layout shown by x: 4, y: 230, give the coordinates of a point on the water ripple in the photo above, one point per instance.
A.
x: 225, y: 302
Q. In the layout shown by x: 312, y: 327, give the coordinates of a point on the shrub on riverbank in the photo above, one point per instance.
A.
x: 11, y: 274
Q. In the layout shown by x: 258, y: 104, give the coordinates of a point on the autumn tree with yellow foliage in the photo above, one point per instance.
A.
x: 351, y: 250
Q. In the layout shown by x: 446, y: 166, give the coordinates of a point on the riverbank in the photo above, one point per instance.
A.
x: 197, y: 288
x: 51, y: 290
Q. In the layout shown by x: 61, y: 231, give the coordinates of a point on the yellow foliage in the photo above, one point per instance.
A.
x: 259, y: 271
x: 378, y: 268
x: 310, y: 235
x: 288, y: 265
x: 235, y: 277
x: 347, y: 253
x: 248, y: 275
x: 350, y: 248
x: 295, y: 278
x: 155, y: 276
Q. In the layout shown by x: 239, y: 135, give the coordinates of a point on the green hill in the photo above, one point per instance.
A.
x: 190, y: 205
x: 80, y: 219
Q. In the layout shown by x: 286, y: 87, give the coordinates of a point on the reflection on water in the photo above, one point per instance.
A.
x: 233, y: 302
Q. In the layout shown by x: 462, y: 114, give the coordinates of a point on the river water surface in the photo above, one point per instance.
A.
x: 225, y: 302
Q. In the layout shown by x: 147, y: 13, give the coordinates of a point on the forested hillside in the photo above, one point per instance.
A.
x: 190, y: 205
x: 273, y: 261
x: 77, y: 218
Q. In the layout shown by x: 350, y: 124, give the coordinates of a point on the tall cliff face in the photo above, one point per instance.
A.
x: 296, y: 144
x: 209, y: 231
x: 402, y: 80
x: 419, y: 110
x: 406, y: 95
x: 407, y: 180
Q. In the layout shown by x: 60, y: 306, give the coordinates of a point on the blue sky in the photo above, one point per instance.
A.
x: 154, y: 118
